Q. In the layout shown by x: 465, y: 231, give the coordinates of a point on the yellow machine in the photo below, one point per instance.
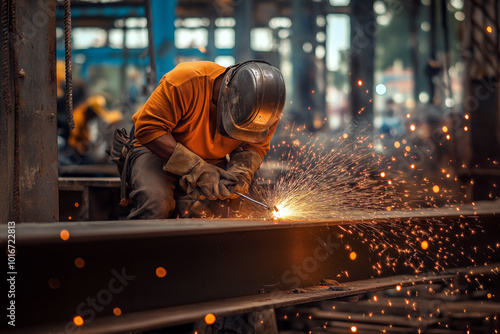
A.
x: 79, y: 138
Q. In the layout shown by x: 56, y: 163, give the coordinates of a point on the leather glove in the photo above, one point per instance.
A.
x: 199, y: 178
x: 243, y: 165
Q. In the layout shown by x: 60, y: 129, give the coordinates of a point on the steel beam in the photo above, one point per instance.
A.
x: 146, y: 265
x: 172, y: 316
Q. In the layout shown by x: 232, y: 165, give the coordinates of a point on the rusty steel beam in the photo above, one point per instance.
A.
x: 90, y: 269
x: 195, y: 313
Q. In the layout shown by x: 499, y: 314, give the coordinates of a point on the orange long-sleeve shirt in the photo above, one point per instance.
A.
x: 182, y: 105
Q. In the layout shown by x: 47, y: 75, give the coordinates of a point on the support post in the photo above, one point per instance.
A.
x: 244, y: 21
x: 36, y: 57
x: 304, y: 64
x: 163, y: 14
x: 362, y: 54
x: 482, y: 99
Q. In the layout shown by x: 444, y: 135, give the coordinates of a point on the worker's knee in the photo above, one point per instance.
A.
x: 161, y: 205
x: 152, y: 204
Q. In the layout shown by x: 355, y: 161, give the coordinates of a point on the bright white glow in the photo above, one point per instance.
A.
x: 320, y: 37
x: 284, y: 33
x: 449, y: 102
x: 338, y: 39
x: 320, y: 21
x: 261, y: 39
x: 385, y: 19
x: 320, y: 52
x: 460, y: 16
x: 425, y: 26
x: 380, y: 89
x: 283, y: 211
x: 84, y: 38
x: 191, y: 38
x: 458, y: 4
x: 137, y: 38
x: 115, y: 38
x: 59, y: 32
x: 379, y: 7
x: 224, y: 22
x: 225, y: 61
x: 224, y: 38
x: 285, y: 48
x: 307, y: 47
x: 423, y: 97
x: 195, y: 22
x: 398, y: 98
x: 339, y: 2
x: 280, y: 22
x: 136, y: 22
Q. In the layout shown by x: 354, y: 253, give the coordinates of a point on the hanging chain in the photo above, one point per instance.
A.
x: 68, y: 63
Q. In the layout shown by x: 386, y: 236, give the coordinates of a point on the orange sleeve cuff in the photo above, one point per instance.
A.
x: 146, y: 137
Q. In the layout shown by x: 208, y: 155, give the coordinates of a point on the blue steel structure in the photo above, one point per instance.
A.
x: 163, y: 24
x: 163, y: 13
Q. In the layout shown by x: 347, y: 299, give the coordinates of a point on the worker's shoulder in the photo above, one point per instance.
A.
x: 185, y: 72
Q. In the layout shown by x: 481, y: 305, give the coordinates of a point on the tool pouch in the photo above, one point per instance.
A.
x: 121, y: 146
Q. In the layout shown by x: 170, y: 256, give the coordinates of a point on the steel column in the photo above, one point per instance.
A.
x: 362, y: 54
x: 244, y: 21
x: 163, y: 13
x: 36, y: 50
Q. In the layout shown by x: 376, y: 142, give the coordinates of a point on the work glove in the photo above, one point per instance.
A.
x: 243, y: 165
x: 199, y: 178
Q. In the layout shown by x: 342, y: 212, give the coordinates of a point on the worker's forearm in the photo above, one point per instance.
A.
x: 162, y: 146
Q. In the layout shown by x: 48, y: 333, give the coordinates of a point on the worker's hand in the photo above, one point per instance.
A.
x: 208, y: 181
x: 241, y: 186
x: 199, y: 178
x: 243, y: 165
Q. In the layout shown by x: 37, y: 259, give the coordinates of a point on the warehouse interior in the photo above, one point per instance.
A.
x: 385, y: 168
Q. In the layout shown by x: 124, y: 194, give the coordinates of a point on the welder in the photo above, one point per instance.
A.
x: 201, y: 136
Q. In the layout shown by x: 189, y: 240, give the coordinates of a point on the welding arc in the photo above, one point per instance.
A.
x: 252, y: 200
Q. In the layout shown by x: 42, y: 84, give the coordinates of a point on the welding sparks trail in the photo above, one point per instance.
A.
x: 331, y: 179
x: 345, y: 179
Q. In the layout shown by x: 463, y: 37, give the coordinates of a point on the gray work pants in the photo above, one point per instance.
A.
x: 155, y: 194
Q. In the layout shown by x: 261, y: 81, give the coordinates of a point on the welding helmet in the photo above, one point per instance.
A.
x: 251, y: 100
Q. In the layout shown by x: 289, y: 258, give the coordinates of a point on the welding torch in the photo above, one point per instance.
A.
x: 256, y: 202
